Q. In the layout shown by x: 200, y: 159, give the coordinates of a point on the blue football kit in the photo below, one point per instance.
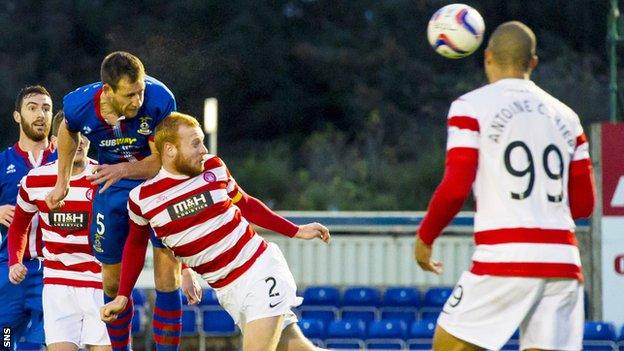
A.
x: 22, y: 311
x: 126, y: 141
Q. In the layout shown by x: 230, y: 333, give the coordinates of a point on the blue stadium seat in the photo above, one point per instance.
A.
x: 139, y: 321
x: 344, y: 344
x: 421, y: 335
x: 366, y: 314
x: 217, y: 322
x: 345, y: 334
x: 321, y: 296
x: 387, y: 328
x: 209, y: 298
x: 599, y: 335
x: 139, y: 298
x: 422, y: 329
x: 312, y: 328
x: 386, y: 334
x: 437, y: 296
x: 324, y: 313
x: 406, y: 314
x: 361, y: 296
x: 427, y: 313
x: 402, y: 297
x: 190, y: 321
x: 345, y: 329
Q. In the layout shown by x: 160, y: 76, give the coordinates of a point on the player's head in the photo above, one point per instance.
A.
x: 123, y: 76
x: 56, y: 123
x: 33, y: 112
x: 180, y: 142
x: 82, y: 151
x: 510, y: 52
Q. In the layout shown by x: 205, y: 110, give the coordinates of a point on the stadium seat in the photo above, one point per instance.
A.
x: 386, y: 334
x: 361, y: 296
x: 344, y: 329
x: 217, y: 322
x: 321, y: 296
x: 190, y: 321
x: 437, y: 296
x: 421, y: 335
x: 345, y: 334
x: 422, y: 329
x: 599, y: 335
x: 387, y: 328
x: 209, y: 298
x: 344, y: 344
x: 139, y: 320
x: 366, y: 314
x: 140, y: 298
x: 324, y: 313
x: 406, y: 314
x: 402, y: 297
x: 312, y: 328
x: 427, y: 313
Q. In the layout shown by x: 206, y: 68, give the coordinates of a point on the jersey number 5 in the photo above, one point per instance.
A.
x: 530, y: 169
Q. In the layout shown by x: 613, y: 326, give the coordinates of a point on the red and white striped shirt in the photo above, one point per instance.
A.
x: 68, y: 256
x: 528, y: 145
x: 197, y: 219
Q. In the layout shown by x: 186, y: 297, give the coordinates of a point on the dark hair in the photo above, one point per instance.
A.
x: 118, y: 64
x: 29, y: 90
x: 56, y: 122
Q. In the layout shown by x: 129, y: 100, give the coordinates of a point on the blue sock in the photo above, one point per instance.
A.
x: 119, y: 329
x: 167, y: 320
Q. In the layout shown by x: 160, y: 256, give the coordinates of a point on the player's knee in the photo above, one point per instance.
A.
x: 110, y: 287
x: 167, y: 278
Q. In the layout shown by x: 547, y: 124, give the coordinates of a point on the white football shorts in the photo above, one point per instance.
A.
x: 486, y: 310
x: 72, y: 314
x: 266, y: 289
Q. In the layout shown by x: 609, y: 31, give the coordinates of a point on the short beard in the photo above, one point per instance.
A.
x: 35, y: 136
x: 183, y: 166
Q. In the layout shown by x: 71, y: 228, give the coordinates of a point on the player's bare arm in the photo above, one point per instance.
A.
x: 313, y: 230
x: 67, y: 145
x: 110, y: 174
x: 422, y: 254
x: 190, y: 286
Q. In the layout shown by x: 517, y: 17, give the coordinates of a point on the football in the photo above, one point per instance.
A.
x: 455, y: 30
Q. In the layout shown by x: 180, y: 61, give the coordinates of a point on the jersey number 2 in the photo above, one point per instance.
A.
x: 530, y: 169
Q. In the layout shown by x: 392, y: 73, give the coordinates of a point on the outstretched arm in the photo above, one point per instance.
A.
x: 67, y: 144
x: 258, y: 213
x: 110, y: 174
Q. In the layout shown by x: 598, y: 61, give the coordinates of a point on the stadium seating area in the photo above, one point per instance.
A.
x: 395, y: 318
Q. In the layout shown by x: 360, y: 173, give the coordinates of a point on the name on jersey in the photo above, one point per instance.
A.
x: 506, y: 114
x: 69, y: 220
x: 117, y: 141
x: 190, y: 206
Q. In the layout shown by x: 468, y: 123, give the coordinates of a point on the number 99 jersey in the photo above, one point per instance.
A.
x: 526, y: 140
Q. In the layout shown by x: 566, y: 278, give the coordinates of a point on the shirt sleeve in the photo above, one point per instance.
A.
x: 462, y: 159
x: 25, y: 210
x: 581, y: 183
